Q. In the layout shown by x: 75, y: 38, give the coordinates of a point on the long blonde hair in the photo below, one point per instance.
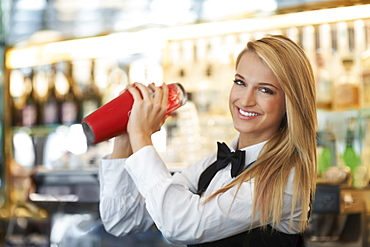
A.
x: 294, y: 145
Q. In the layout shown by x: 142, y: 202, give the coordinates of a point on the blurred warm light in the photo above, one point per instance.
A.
x: 113, y: 45
x: 76, y: 142
x: 61, y: 83
x: 31, y: 5
x: 159, y: 139
x: 41, y: 84
x: 24, y: 152
x: 154, y: 39
x: 62, y: 224
x: 16, y: 83
x: 180, y: 11
x: 55, y: 146
x: 146, y: 70
x: 218, y: 9
x: 271, y: 22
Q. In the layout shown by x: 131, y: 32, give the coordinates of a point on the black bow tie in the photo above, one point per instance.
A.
x: 224, y: 157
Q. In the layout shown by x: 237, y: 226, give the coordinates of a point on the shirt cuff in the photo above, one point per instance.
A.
x: 147, y: 169
x: 113, y: 176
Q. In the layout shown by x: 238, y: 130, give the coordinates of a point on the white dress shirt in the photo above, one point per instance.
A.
x: 139, y: 191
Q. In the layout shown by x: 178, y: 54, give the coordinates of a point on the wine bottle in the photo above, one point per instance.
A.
x: 91, y: 95
x: 67, y: 93
x: 42, y: 81
x: 50, y: 107
x: 29, y: 112
x: 18, y: 95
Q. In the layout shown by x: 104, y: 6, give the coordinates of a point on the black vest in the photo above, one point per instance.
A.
x: 257, y: 237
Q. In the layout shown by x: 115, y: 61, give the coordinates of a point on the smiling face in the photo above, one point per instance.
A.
x: 257, y: 101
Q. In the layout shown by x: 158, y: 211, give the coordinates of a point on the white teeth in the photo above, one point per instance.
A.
x: 248, y: 114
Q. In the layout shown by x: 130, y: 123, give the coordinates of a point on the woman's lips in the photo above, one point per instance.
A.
x: 247, y: 114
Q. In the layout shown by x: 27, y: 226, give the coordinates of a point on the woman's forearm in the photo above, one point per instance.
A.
x: 122, y: 147
x: 139, y: 141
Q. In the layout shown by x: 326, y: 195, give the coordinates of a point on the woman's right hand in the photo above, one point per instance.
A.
x: 147, y: 114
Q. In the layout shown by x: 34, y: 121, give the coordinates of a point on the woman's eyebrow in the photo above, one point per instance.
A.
x: 268, y: 84
x: 260, y: 83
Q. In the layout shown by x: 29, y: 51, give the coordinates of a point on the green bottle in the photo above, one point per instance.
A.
x: 350, y: 157
x: 325, y: 159
x: 325, y: 148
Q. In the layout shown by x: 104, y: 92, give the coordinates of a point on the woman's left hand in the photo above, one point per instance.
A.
x: 147, y: 113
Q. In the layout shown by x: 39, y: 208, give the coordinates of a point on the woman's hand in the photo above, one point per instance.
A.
x: 147, y: 114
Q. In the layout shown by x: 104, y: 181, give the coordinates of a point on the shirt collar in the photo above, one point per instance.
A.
x: 251, y: 152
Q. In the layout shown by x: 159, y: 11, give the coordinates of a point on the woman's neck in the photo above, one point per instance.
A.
x: 247, y: 140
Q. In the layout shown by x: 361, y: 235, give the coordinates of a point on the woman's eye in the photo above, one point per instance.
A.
x: 239, y: 82
x: 267, y: 90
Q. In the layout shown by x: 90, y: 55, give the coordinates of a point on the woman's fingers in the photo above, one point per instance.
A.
x: 145, y: 91
x: 153, y: 97
x: 164, y: 94
x: 160, y: 95
x: 135, y: 91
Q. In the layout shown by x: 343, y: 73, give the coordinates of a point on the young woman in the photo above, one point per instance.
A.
x: 266, y: 202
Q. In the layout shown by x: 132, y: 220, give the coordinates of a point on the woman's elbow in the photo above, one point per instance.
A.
x: 181, y: 235
x: 120, y: 230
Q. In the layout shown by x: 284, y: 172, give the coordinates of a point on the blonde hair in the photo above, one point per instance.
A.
x: 294, y: 145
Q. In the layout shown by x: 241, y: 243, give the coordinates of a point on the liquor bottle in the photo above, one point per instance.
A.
x: 117, y: 82
x: 360, y: 177
x: 43, y: 82
x: 346, y: 88
x: 101, y: 73
x: 308, y: 41
x: 67, y: 94
x: 17, y: 92
x: 366, y: 71
x: 91, y: 95
x: 50, y: 108
x: 324, y: 85
x: 29, y: 112
x: 365, y: 153
x: 40, y: 82
x: 204, y: 91
x: 186, y: 61
x: 350, y: 156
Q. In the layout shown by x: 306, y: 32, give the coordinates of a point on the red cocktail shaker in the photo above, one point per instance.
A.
x: 111, y: 119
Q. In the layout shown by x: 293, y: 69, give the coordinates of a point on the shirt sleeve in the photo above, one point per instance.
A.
x: 122, y: 207
x: 181, y: 215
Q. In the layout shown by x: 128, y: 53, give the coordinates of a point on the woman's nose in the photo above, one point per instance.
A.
x: 248, y: 98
